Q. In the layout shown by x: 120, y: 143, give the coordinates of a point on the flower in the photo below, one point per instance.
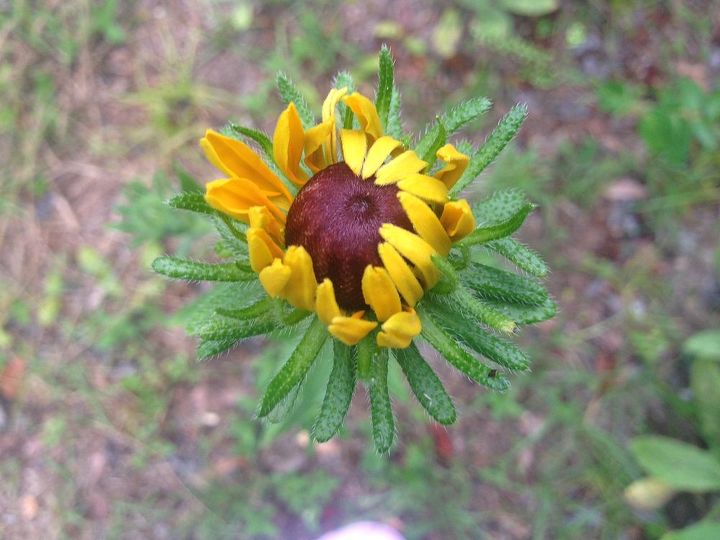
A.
x: 356, y: 243
x: 343, y: 228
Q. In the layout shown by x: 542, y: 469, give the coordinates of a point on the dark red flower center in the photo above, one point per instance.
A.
x: 336, y: 217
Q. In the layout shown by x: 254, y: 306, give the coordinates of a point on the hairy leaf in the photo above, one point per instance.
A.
x: 193, y: 201
x: 459, y: 357
x: 383, y: 424
x: 494, y: 144
x: 524, y: 314
x: 177, y: 268
x: 395, y: 127
x: 425, y: 384
x: 290, y: 94
x: 262, y: 140
x: 385, y: 85
x: 486, y: 233
x: 495, y: 284
x: 295, y: 368
x: 520, y: 255
x: 338, y: 395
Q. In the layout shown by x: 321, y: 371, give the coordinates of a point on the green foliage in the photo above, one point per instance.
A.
x: 501, y: 136
x: 260, y: 138
x: 340, y: 388
x: 295, y: 369
x: 494, y: 284
x: 520, y: 255
x: 679, y: 465
x: 425, y: 385
x: 195, y: 271
x: 383, y: 423
x: 290, y: 94
x: 385, y: 85
x: 194, y: 202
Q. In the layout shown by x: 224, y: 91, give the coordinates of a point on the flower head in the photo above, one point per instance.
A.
x: 355, y: 244
x: 353, y: 233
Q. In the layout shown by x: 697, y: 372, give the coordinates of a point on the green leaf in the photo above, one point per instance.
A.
x: 395, y: 126
x: 344, y: 80
x: 484, y: 234
x: 678, y: 464
x: 187, y: 182
x: 232, y: 235
x: 338, y: 395
x: 437, y: 132
x: 289, y: 93
x: 295, y: 368
x: 228, y: 329
x: 385, y: 85
x: 495, y: 284
x: 466, y: 330
x: 209, y: 348
x: 705, y: 383
x: 262, y: 140
x: 705, y: 344
x: 494, y: 144
x: 196, y: 271
x: 464, y: 302
x: 448, y: 276
x: 248, y: 312
x: 520, y: 255
x: 500, y: 206
x: 425, y: 384
x: 524, y: 314
x: 192, y: 201
x: 531, y: 8
x: 459, y: 357
x: 705, y: 530
x: 383, y: 424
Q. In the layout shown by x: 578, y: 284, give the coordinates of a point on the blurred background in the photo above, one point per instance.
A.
x: 109, y: 428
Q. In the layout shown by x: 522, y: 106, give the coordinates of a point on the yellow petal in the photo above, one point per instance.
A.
x: 328, y: 116
x: 399, y: 330
x: 414, y: 249
x: 354, y: 145
x: 235, y: 197
x: 366, y: 113
x: 458, y: 219
x: 302, y: 285
x: 326, y: 305
x: 236, y: 159
x: 275, y: 277
x: 261, y: 218
x: 378, y: 153
x: 425, y: 223
x: 380, y: 293
x: 404, y: 165
x: 425, y: 187
x: 351, y: 330
x: 261, y: 248
x: 288, y: 142
x: 455, y: 164
x: 401, y: 274
x: 316, y: 139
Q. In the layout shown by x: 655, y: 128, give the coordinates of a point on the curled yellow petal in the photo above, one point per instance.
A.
x: 317, y: 138
x: 302, y: 285
x: 328, y: 117
x: 261, y: 218
x: 354, y: 145
x: 455, y: 164
x: 458, y: 219
x: 288, y: 143
x: 326, y: 305
x: 235, y: 197
x: 380, y: 292
x: 275, y: 277
x: 401, y: 274
x: 399, y: 330
x: 425, y: 222
x: 366, y: 113
x: 414, y: 249
x: 403, y: 165
x: 261, y: 248
x: 425, y: 187
x: 351, y: 330
x: 236, y: 159
x: 378, y: 153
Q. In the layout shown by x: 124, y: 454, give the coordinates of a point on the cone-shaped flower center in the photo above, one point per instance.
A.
x: 336, y: 217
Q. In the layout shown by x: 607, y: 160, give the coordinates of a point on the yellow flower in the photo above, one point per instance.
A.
x: 355, y: 244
